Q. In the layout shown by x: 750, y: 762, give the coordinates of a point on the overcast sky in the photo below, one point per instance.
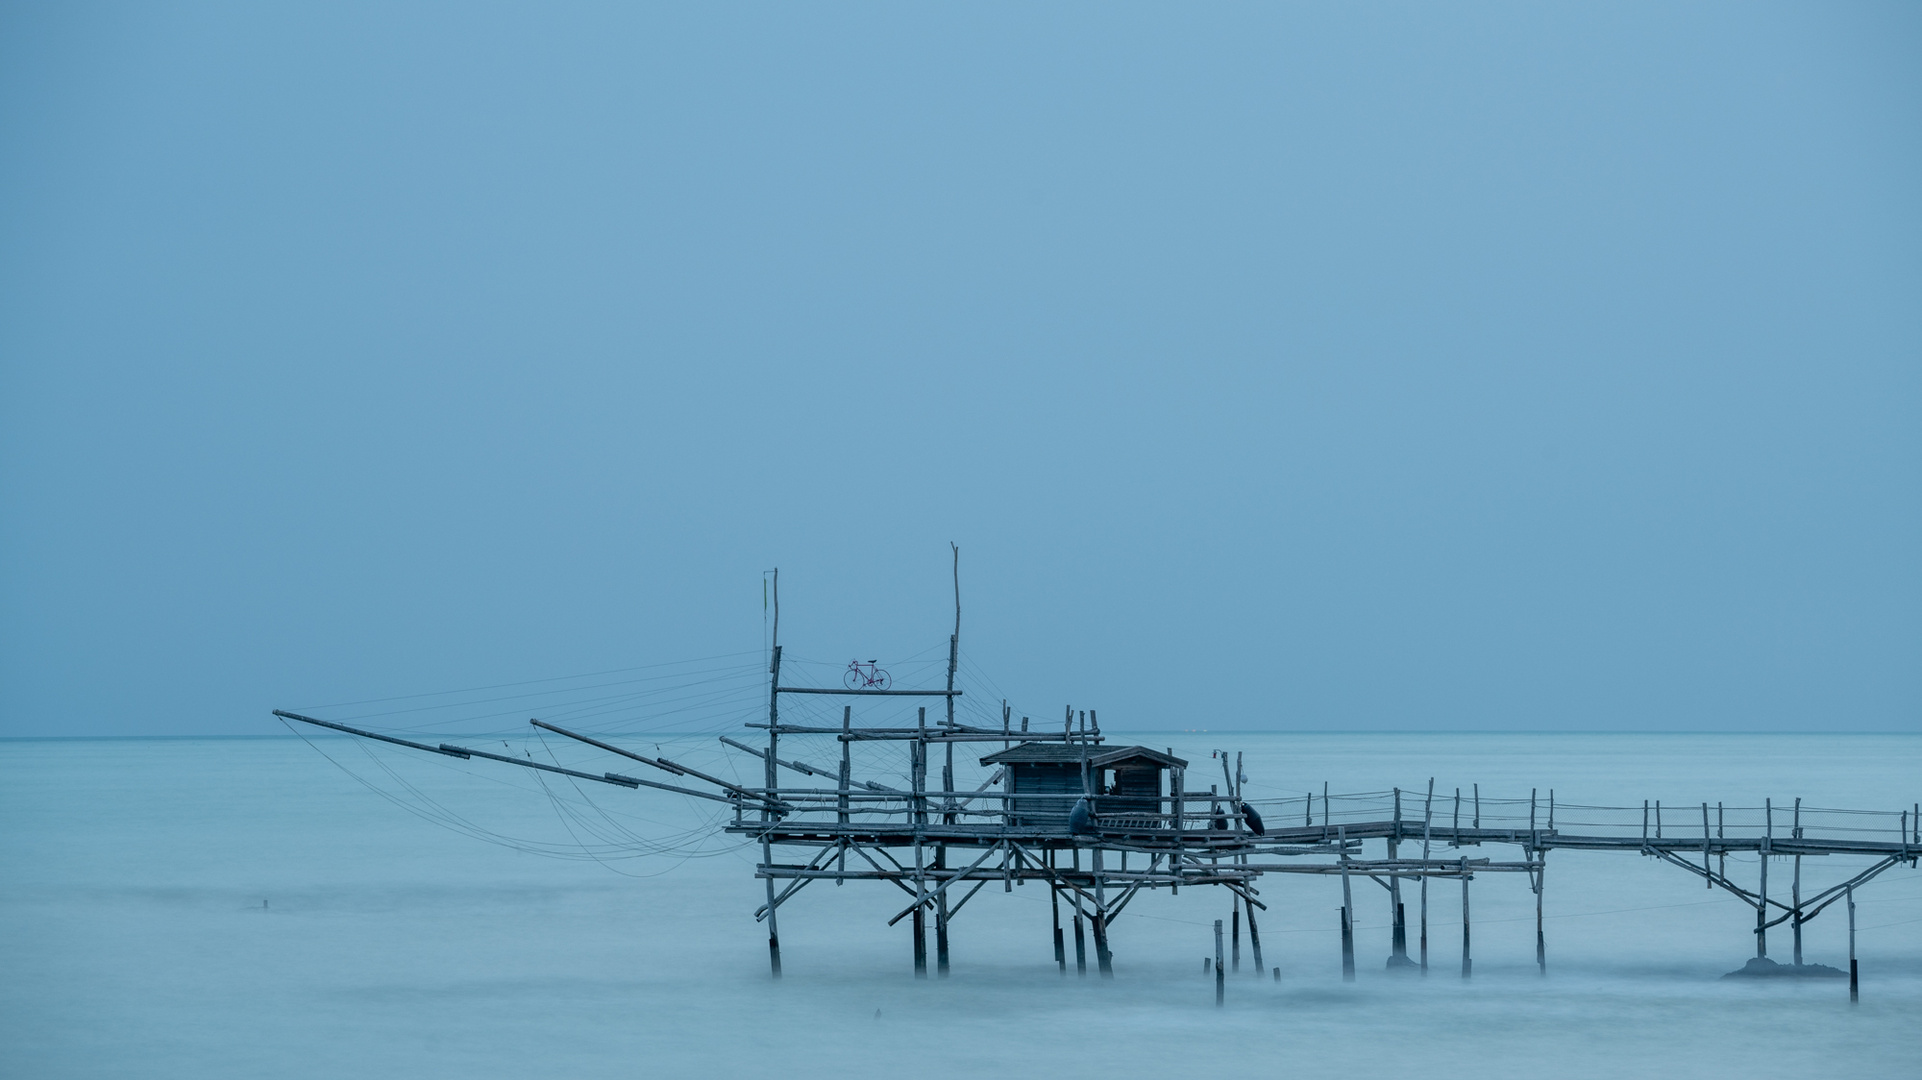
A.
x: 1335, y: 367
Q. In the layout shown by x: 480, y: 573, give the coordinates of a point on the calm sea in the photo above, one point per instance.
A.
x: 269, y: 907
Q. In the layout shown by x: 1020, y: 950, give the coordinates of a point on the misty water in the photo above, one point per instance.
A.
x: 245, y: 907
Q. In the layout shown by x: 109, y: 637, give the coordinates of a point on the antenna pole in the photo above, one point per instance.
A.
x: 773, y: 781
x: 954, y: 642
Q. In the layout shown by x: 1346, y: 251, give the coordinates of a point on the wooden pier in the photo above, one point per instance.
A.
x: 1097, y: 824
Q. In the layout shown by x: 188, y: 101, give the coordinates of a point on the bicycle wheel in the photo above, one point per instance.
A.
x: 852, y: 680
x: 881, y: 680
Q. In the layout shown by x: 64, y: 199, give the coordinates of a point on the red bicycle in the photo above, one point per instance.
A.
x: 865, y: 677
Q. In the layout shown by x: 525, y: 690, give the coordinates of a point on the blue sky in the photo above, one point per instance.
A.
x: 1526, y: 367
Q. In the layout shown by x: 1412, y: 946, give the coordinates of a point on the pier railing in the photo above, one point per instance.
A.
x: 1409, y: 815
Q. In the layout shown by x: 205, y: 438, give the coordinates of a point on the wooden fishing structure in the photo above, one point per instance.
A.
x: 1098, y: 824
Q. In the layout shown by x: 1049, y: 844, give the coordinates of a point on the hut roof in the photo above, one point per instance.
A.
x: 1040, y: 753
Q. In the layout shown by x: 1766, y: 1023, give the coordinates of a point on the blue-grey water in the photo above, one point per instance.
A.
x: 212, y: 908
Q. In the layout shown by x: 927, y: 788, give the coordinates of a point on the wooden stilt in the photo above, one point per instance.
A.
x: 1061, y: 954
x: 1762, y: 905
x: 1221, y: 978
x: 1060, y: 949
x: 1397, y: 920
x: 845, y: 788
x: 1541, y: 942
x: 773, y: 931
x: 1795, y: 887
x: 1104, y: 960
x: 947, y: 774
x: 1855, y: 973
x: 1254, y: 939
x: 1347, y: 917
x: 941, y: 934
x: 773, y: 722
x: 1104, y: 963
x: 1707, y: 882
x: 1427, y: 826
x: 1347, y: 946
x: 1467, y: 961
x: 1234, y: 936
x: 1080, y: 945
x: 920, y: 941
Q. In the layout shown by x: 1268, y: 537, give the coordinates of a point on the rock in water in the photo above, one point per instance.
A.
x: 1761, y: 967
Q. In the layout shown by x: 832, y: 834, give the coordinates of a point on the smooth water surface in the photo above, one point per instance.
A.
x: 203, y: 908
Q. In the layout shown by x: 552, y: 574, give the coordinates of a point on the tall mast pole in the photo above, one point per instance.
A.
x: 947, y: 778
x: 954, y: 642
x: 767, y: 813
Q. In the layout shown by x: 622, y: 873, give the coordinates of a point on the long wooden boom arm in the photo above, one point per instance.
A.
x: 463, y: 752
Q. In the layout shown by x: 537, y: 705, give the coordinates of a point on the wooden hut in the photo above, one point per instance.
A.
x: 1124, y: 783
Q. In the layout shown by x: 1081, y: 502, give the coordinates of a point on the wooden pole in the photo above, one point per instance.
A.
x: 1080, y: 943
x: 1104, y: 961
x: 1347, y: 945
x: 1398, y: 934
x: 846, y: 783
x: 1234, y: 934
x: 1707, y: 882
x: 1762, y: 906
x: 918, y: 786
x: 1178, y: 780
x: 1347, y: 916
x: 1221, y: 978
x: 1855, y: 973
x: 1254, y: 938
x: 1054, y: 897
x: 920, y: 941
x: 954, y: 645
x: 947, y: 778
x: 1795, y: 888
x: 1541, y: 942
x: 941, y: 923
x: 1427, y: 826
x: 1467, y: 962
x: 772, y: 782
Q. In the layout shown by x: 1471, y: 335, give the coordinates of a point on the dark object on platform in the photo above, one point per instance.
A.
x: 1254, y: 820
